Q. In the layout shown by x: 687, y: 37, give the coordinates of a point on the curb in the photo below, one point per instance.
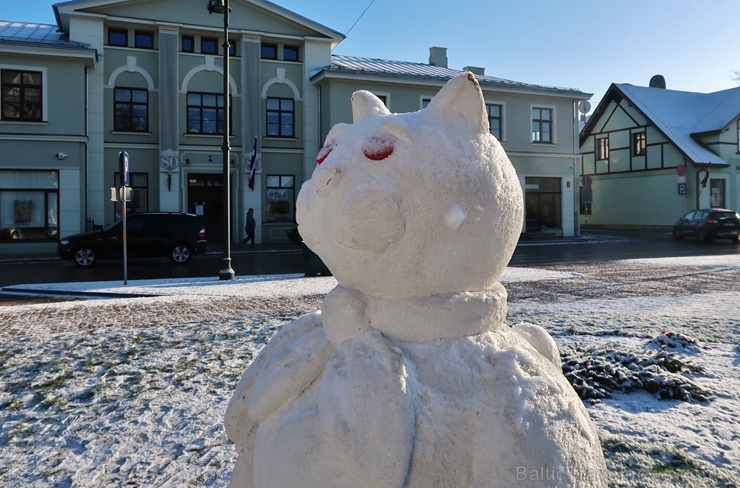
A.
x: 21, y: 292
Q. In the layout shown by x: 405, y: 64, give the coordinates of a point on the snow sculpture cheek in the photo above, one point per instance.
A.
x: 372, y: 221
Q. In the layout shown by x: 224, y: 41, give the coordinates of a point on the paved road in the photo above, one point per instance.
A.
x: 608, y: 246
x: 593, y: 247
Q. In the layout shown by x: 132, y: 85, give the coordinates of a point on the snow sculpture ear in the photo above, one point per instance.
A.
x: 462, y: 96
x: 366, y: 105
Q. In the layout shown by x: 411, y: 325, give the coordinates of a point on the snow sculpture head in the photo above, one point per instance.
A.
x: 414, y: 204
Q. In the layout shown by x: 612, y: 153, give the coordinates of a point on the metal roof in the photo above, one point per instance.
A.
x: 36, y: 35
x: 355, y: 65
x: 683, y: 115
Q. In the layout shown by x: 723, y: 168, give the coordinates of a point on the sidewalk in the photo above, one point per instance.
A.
x: 35, y: 251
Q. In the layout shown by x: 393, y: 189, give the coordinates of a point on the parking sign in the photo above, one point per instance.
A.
x: 123, y: 163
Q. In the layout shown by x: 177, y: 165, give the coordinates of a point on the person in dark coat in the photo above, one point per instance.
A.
x: 249, y: 228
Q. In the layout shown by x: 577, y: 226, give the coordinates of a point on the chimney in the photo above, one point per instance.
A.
x: 438, y: 56
x: 657, y: 81
x: 476, y: 70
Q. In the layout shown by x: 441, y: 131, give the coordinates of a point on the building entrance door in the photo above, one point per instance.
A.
x: 543, y: 201
x: 206, y: 199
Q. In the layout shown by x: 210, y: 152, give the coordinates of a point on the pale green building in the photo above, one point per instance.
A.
x: 147, y: 78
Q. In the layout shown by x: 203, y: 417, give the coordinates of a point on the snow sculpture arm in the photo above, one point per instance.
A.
x: 541, y: 340
x: 366, y: 407
x: 287, y: 365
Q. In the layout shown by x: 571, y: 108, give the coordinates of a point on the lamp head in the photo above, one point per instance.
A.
x: 216, y: 6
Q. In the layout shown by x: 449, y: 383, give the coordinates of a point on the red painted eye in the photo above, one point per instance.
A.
x: 379, y: 147
x: 324, y: 153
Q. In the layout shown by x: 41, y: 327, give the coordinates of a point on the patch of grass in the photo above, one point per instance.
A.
x: 641, y: 464
x: 13, y: 404
x: 674, y: 461
x: 54, y: 401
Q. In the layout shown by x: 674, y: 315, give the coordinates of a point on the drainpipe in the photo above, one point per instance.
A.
x: 86, y: 155
x: 576, y: 157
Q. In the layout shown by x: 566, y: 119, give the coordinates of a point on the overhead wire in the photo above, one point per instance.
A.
x: 360, y: 17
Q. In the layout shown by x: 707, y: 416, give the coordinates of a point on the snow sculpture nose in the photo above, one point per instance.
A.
x: 325, y: 178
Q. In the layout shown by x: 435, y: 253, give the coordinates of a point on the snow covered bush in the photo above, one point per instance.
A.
x: 677, y: 340
x: 598, y: 372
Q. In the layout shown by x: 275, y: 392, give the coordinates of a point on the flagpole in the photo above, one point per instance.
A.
x: 252, y: 164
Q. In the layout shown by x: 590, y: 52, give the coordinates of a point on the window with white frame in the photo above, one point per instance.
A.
x: 495, y: 119
x: 208, y: 45
x: 290, y: 53
x: 130, y: 109
x: 639, y: 143
x: 205, y: 113
x: 602, y: 148
x: 29, y: 205
x: 280, y: 113
x: 187, y: 44
x: 280, y: 198
x: 383, y: 97
x: 268, y: 51
x: 542, y: 125
x: 22, y: 95
x: 117, y: 37
x: 144, y: 39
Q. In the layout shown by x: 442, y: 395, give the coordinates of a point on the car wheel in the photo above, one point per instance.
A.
x: 677, y: 234
x: 180, y: 254
x: 703, y: 237
x: 85, y: 257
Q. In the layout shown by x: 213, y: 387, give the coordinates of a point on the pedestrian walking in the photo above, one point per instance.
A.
x: 250, y: 227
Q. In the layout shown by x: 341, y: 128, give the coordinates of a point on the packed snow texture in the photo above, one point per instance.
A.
x: 408, y: 376
x: 132, y: 392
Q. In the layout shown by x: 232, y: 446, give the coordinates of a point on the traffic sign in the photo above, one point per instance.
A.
x: 681, y: 170
x: 682, y: 189
x: 123, y: 163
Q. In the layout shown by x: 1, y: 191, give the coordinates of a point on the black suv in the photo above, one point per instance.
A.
x: 708, y: 224
x: 151, y: 234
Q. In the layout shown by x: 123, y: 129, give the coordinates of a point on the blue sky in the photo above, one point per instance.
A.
x: 584, y: 44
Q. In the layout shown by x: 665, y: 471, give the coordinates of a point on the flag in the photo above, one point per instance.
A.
x: 705, y: 179
x: 252, y: 165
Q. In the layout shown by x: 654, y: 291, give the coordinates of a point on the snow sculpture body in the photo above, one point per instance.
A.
x: 408, y: 376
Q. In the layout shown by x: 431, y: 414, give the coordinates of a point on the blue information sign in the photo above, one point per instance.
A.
x: 682, y: 188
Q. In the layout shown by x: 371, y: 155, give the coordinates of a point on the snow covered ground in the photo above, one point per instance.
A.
x: 132, y: 391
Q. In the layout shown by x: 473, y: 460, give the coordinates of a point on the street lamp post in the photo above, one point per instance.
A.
x: 226, y: 272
